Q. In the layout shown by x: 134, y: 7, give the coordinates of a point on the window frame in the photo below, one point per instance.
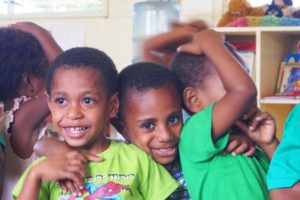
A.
x: 10, y: 15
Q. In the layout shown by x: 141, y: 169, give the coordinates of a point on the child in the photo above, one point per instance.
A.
x: 26, y: 50
x: 82, y: 89
x: 207, y: 171
x: 283, y: 174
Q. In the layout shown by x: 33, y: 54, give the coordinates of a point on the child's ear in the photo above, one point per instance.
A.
x: 114, y: 105
x: 192, y: 100
x: 29, y: 86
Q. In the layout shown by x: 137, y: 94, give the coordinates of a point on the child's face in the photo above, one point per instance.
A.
x: 153, y: 121
x: 81, y: 108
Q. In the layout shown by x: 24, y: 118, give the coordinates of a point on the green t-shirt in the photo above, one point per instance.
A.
x: 212, y: 175
x: 126, y: 173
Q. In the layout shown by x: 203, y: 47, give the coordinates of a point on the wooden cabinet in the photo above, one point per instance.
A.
x: 272, y: 43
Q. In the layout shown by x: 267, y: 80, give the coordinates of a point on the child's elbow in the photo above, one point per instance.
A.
x: 249, y: 91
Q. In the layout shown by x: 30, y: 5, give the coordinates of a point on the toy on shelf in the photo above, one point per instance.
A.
x: 240, y: 8
x: 280, y: 8
x: 278, y: 13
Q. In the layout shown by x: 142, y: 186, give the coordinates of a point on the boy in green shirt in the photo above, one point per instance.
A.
x: 217, y: 91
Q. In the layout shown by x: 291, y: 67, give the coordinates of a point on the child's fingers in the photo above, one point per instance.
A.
x: 92, y: 157
x: 74, y: 177
x: 234, y: 143
x: 63, y: 186
x: 75, y: 155
x: 243, y: 147
x: 251, y: 151
x: 189, y: 48
x: 258, y: 119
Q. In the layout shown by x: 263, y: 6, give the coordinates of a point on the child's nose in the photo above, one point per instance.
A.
x: 74, y: 111
x: 165, y: 134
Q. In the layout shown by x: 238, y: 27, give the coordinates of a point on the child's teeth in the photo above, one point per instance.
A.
x: 76, y: 130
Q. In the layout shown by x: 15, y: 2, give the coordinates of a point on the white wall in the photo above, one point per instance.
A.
x: 113, y: 33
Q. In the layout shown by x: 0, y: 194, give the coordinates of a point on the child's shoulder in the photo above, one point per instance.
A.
x: 127, y: 147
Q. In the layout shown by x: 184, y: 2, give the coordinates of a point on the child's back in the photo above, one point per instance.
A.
x: 23, y: 65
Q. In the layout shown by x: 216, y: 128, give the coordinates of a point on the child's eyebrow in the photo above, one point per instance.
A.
x: 58, y: 93
x: 147, y: 119
x: 91, y: 93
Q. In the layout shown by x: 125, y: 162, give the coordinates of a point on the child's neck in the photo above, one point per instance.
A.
x: 98, y: 147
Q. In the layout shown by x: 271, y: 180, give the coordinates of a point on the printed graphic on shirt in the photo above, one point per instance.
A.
x: 109, y: 190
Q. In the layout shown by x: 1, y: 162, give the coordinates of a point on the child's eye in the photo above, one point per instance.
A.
x: 147, y: 125
x: 174, y: 120
x: 60, y: 101
x: 88, y: 100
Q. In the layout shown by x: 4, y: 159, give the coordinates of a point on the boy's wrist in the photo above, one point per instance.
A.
x: 35, y: 175
x: 273, y: 143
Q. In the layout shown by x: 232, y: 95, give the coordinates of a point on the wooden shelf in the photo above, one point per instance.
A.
x: 279, y: 100
x: 272, y: 43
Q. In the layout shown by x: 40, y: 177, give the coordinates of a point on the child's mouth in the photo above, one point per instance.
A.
x: 76, y: 132
x: 170, y: 151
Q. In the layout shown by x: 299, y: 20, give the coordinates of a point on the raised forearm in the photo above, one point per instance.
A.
x: 28, y: 118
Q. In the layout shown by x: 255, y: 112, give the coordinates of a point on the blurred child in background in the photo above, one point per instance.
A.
x: 26, y: 50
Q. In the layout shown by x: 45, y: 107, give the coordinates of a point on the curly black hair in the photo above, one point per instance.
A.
x: 192, y: 69
x: 86, y: 57
x: 20, y: 54
x: 143, y: 76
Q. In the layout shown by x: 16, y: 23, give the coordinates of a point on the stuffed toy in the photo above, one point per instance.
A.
x: 239, y: 8
x: 280, y: 8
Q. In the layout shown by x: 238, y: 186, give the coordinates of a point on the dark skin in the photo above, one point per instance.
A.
x: 292, y: 193
x: 160, y: 48
x: 33, y: 112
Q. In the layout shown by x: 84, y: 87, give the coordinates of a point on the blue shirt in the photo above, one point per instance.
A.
x: 284, y: 171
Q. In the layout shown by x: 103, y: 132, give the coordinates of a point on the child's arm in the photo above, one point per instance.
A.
x: 49, y: 45
x: 32, y: 113
x: 51, y: 146
x: 240, y: 89
x: 262, y: 130
x: 26, y: 120
x: 160, y: 48
x: 65, y: 166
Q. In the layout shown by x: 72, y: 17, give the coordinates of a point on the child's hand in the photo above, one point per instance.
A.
x: 28, y: 27
x: 65, y: 166
x: 68, y: 185
x: 201, y: 41
x: 240, y: 143
x: 261, y: 128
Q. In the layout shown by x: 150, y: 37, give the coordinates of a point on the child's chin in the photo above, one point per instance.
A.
x: 165, y: 161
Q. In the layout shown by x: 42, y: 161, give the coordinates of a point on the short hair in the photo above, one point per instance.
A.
x: 86, y: 57
x: 144, y: 76
x: 20, y: 54
x: 288, y: 2
x: 193, y: 69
